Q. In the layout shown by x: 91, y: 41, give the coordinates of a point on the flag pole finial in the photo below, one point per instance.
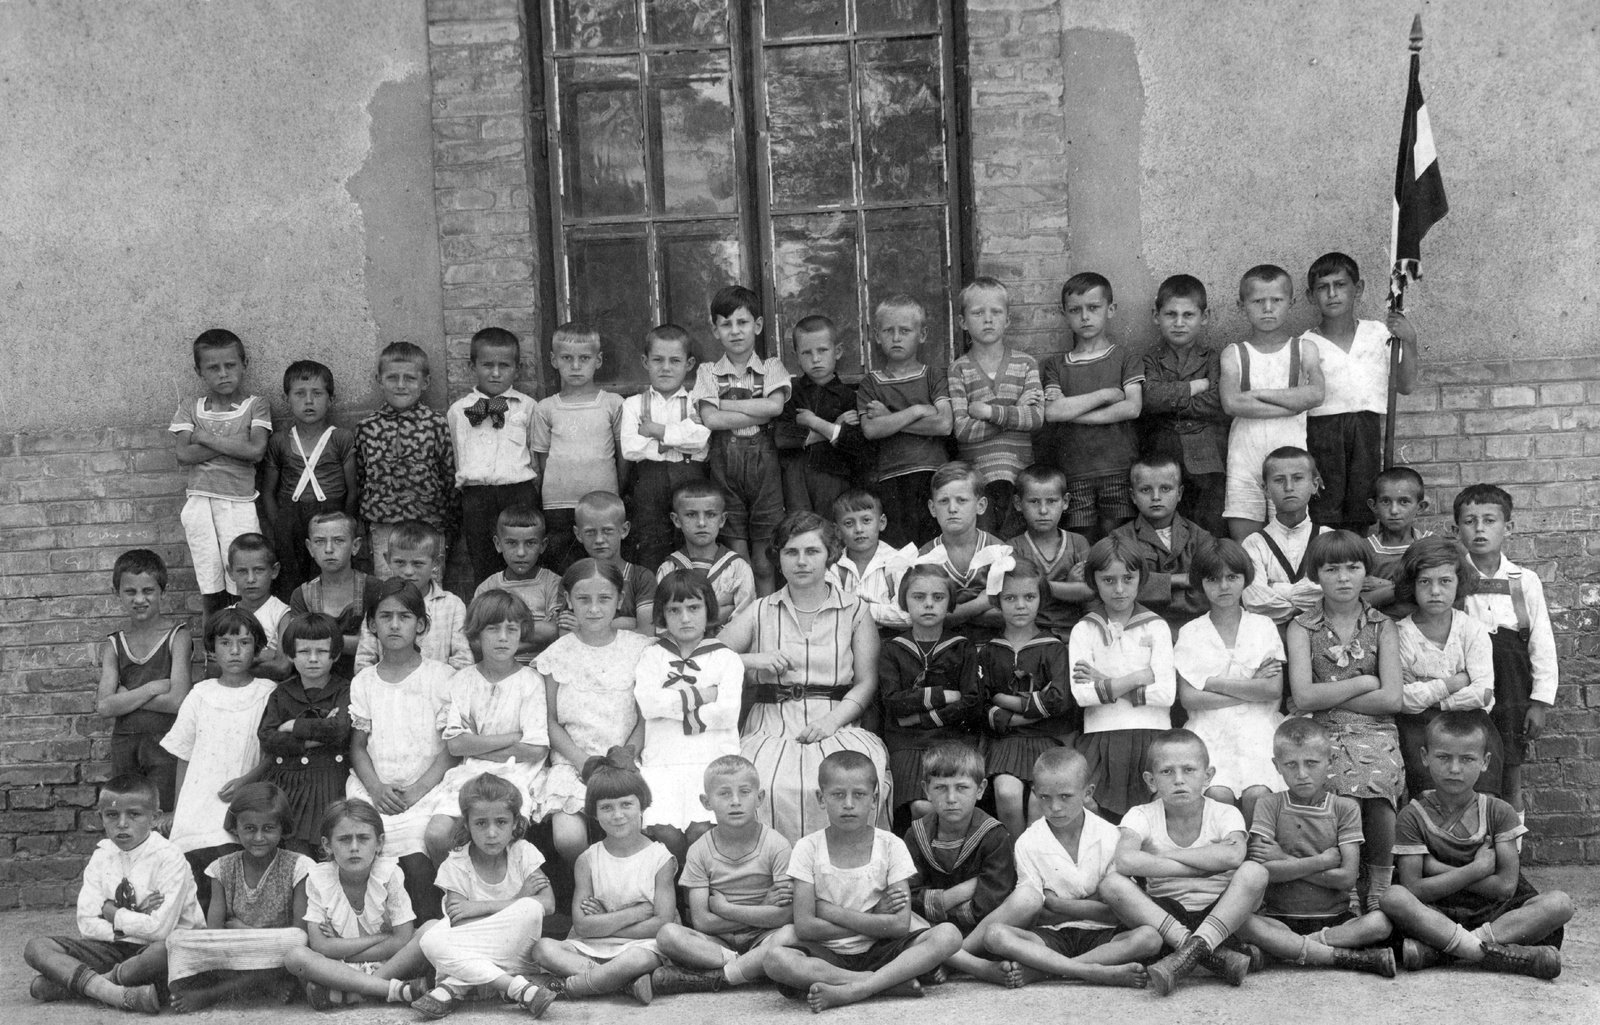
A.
x: 1416, y: 34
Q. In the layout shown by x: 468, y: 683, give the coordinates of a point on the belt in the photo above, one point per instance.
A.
x: 777, y: 693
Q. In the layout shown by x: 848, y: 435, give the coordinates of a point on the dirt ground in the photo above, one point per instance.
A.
x: 1279, y: 996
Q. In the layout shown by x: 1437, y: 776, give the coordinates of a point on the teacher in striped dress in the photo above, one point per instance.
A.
x: 810, y: 653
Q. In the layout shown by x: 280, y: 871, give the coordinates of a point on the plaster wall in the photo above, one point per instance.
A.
x: 170, y: 166
x: 1205, y: 137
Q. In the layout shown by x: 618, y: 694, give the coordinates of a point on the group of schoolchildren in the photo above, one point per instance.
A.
x: 1027, y: 692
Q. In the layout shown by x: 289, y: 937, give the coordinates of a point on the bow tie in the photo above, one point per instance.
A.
x: 493, y: 410
x: 679, y: 674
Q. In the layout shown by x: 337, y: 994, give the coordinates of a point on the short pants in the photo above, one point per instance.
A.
x: 747, y: 471
x: 1096, y: 497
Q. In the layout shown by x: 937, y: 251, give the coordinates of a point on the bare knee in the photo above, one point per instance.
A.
x: 671, y: 939
x: 1252, y: 874
x: 38, y: 950
x: 1556, y: 905
x: 297, y: 960
x: 1001, y: 938
x: 1397, y: 901
x: 1146, y: 941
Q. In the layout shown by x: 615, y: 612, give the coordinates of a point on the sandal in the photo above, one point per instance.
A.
x: 437, y: 1003
x: 537, y: 999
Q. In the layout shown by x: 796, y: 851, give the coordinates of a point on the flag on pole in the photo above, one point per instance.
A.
x: 1419, y: 200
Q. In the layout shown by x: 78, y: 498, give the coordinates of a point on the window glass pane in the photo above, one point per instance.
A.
x: 814, y: 268
x: 693, y: 106
x: 902, y: 114
x: 897, y: 15
x: 611, y: 289
x: 602, y: 135
x: 797, y: 19
x: 696, y: 259
x: 596, y: 24
x: 808, y: 124
x: 687, y: 21
x: 907, y: 252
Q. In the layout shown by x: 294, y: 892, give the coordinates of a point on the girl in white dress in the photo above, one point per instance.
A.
x: 1230, y: 677
x: 496, y: 898
x: 688, y: 689
x: 588, y: 686
x: 623, y: 892
x: 397, y: 756
x: 358, y: 920
x: 214, y: 739
x: 498, y: 719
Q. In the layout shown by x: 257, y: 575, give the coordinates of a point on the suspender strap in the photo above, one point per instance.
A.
x: 1519, y: 602
x: 1294, y: 572
x: 1244, y: 363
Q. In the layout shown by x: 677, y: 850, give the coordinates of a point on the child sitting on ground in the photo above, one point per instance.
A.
x: 1167, y: 542
x: 1054, y: 924
x: 853, y: 935
x: 699, y: 510
x: 962, y: 854
x: 1461, y: 892
x: 928, y: 687
x: 258, y: 904
x: 137, y: 888
x: 519, y: 537
x: 996, y: 399
x: 1397, y: 500
x: 1190, y: 851
x: 1093, y: 392
x: 1059, y: 554
x: 740, y: 894
x: 1283, y: 587
x: 663, y: 441
x: 1309, y: 841
x: 143, y: 692
x: 905, y: 408
x: 1230, y: 678
x: 870, y: 568
x: 1181, y: 413
x: 1269, y: 380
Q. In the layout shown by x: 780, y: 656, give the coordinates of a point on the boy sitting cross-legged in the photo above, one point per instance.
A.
x: 739, y: 891
x: 962, y: 854
x: 1054, y: 924
x: 1309, y: 840
x: 1461, y: 893
x: 137, y: 888
x: 854, y: 935
x: 1190, y: 851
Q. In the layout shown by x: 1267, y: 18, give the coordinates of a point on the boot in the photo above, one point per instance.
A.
x: 1258, y: 957
x: 1228, y: 965
x: 1537, y: 962
x: 1377, y: 960
x: 670, y: 979
x: 1417, y: 956
x: 1167, y: 972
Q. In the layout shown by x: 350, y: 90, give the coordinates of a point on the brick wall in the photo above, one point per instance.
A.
x: 478, y: 61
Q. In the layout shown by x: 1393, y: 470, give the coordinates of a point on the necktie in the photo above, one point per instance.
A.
x: 493, y: 410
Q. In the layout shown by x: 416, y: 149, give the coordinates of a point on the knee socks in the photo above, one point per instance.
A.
x: 1378, y: 880
x: 1212, y: 932
x: 1172, y: 932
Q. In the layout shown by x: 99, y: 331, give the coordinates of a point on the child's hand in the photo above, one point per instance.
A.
x: 1484, y: 861
x: 1053, y: 392
x: 781, y: 895
x: 708, y: 694
x: 1031, y: 398
x: 534, y: 885
x: 849, y: 418
x: 158, y: 687
x: 1269, y: 669
x: 387, y: 800
x: 452, y: 907
x: 591, y: 906
x: 327, y: 930
x: 1199, y: 387
x: 230, y: 789
x: 1533, y: 723
x: 151, y: 903
x: 1086, y: 675
x: 1075, y: 574
x: 568, y: 622
x: 1261, y: 849
x: 286, y: 727
x: 892, y: 902
x: 876, y: 409
x: 1400, y: 327
x: 979, y: 410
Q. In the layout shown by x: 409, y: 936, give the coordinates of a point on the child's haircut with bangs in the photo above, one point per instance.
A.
x: 488, y: 789
x: 1219, y: 557
x: 1481, y: 494
x: 230, y: 621
x: 729, y: 766
x: 251, y: 544
x: 520, y: 517
x: 730, y: 299
x: 493, y: 607
x: 314, y: 626
x: 1109, y: 550
x: 1460, y: 724
x: 908, y: 303
x: 856, y: 500
x: 690, y: 490
x: 131, y: 784
x: 951, y: 472
x: 953, y: 758
x: 669, y: 334
x: 1024, y: 571
x: 1431, y: 553
x: 1335, y: 548
x: 1085, y: 282
x: 1041, y: 475
x: 404, y: 352
x: 413, y: 536
x: 926, y: 571
x: 1265, y: 274
x: 575, y: 332
x: 218, y: 338
x: 335, y: 515
x: 983, y: 285
x: 686, y: 585
x: 495, y: 338
x: 136, y: 561
x: 610, y: 776
x: 308, y: 370
x: 1329, y: 264
x: 1174, y: 738
x: 261, y: 798
x: 408, y: 594
x: 1181, y: 286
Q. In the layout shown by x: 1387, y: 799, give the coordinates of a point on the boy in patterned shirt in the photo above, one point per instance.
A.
x: 405, y: 465
x: 738, y: 397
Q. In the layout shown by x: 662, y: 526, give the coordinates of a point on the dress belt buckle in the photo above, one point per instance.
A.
x: 791, y: 691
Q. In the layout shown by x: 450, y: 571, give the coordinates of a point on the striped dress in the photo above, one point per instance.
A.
x: 781, y: 706
x: 999, y: 451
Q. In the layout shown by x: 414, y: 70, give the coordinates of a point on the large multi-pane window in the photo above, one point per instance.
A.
x: 806, y: 146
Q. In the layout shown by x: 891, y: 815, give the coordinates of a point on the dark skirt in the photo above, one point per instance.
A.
x: 1014, y: 756
x: 1116, y: 767
x: 310, y: 789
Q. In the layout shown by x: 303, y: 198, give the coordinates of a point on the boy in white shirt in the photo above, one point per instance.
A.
x: 662, y: 440
x: 1282, y: 588
x: 870, y: 569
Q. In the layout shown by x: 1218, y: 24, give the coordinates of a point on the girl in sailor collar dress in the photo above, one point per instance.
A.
x: 1122, y: 676
x: 688, y: 688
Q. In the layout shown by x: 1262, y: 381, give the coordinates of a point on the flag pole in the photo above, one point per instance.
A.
x: 1397, y: 295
